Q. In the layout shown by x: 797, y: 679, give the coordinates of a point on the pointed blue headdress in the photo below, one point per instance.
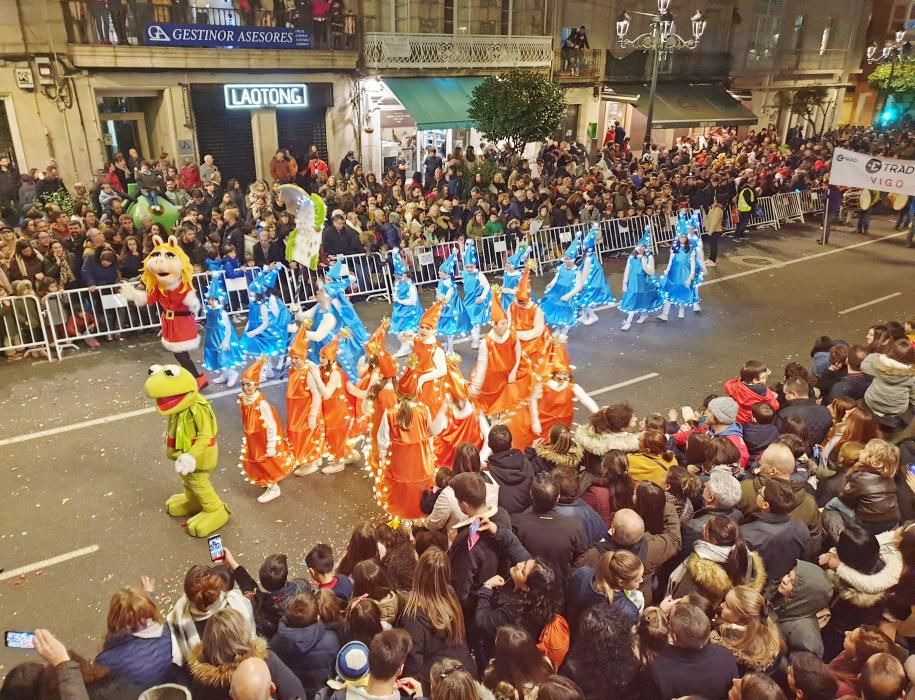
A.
x: 397, y: 262
x: 682, y: 227
x: 519, y: 259
x: 574, y: 249
x: 470, y: 254
x: 645, y: 240
x: 258, y: 285
x: 448, y: 266
x: 336, y: 270
x: 591, y: 238
x: 335, y: 288
x: 217, y: 289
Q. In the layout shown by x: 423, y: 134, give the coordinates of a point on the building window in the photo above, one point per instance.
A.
x: 764, y: 36
x: 827, y: 32
x: 797, y: 36
x: 527, y: 17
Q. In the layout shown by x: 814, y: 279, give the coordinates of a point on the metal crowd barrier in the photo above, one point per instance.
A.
x: 61, y: 320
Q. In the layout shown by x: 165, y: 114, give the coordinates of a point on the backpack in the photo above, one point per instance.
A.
x: 554, y: 640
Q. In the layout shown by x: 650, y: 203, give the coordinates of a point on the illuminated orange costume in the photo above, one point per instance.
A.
x: 303, y: 405
x: 494, y: 379
x: 265, y: 455
x: 386, y: 398
x: 427, y: 362
x: 369, y: 375
x: 461, y: 421
x: 337, y: 405
x: 530, y: 326
x: 407, y: 459
x: 557, y: 396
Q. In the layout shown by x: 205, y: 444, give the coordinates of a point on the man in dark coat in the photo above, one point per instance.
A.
x: 855, y: 382
x: 780, y: 539
x: 510, y: 469
x: 9, y: 184
x: 339, y: 239
x: 818, y: 418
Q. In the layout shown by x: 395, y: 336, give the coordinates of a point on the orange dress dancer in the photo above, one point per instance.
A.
x: 556, y: 402
x: 460, y: 422
x: 429, y: 365
x: 527, y: 320
x: 304, y: 422
x: 265, y: 455
x: 368, y: 377
x: 405, y: 451
x: 380, y: 397
x: 493, y: 384
x: 338, y: 406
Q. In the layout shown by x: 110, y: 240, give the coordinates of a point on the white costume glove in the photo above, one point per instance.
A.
x: 185, y: 464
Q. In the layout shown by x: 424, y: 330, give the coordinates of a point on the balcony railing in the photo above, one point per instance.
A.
x: 813, y: 59
x: 578, y: 63
x: 135, y: 23
x: 383, y: 50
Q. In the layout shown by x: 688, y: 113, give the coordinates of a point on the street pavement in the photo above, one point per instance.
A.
x: 100, y: 487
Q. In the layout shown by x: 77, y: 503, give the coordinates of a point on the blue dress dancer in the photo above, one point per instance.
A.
x: 641, y: 294
x: 261, y: 334
x: 407, y: 308
x: 595, y: 290
x: 560, y: 303
x: 477, y: 293
x: 222, y: 352
x: 337, y: 283
x: 514, y: 268
x: 694, y: 226
x: 682, y: 268
x: 454, y: 319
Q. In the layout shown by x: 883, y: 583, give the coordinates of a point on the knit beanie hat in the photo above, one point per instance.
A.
x: 352, y: 666
x: 724, y: 408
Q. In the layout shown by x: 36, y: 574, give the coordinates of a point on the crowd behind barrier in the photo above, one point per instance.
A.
x: 62, y: 319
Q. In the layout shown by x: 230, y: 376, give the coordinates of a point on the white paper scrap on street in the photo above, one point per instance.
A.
x: 872, y: 172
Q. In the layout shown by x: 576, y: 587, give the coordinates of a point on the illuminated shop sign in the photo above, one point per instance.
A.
x: 266, y: 96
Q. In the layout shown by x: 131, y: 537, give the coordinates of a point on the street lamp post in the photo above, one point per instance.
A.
x: 659, y: 40
x: 892, y: 53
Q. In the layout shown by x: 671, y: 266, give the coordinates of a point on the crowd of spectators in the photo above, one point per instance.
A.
x: 760, y: 546
x: 55, y: 238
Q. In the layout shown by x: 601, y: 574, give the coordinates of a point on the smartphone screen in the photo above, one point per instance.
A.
x: 216, y: 550
x: 20, y: 640
x: 702, y: 421
x: 911, y: 468
x: 474, y: 536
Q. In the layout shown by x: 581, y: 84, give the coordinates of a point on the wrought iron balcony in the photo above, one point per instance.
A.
x: 814, y: 60
x: 572, y: 64
x: 447, y: 51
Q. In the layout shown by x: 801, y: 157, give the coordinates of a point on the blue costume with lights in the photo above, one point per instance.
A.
x: 642, y: 293
x: 221, y: 347
x: 595, y: 290
x: 454, y: 319
x: 265, y: 333
x: 477, y: 294
x: 511, y: 277
x: 352, y: 343
x: 560, y: 312
x: 407, y: 308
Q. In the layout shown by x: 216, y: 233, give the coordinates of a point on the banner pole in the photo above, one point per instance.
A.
x: 825, y: 237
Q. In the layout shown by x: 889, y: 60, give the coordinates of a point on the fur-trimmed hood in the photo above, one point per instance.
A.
x: 891, y: 371
x: 600, y: 444
x: 220, y: 676
x: 571, y: 459
x: 711, y: 576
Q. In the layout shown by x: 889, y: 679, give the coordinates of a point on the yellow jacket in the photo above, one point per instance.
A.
x: 653, y: 468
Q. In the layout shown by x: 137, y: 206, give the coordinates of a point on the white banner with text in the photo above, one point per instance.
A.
x: 872, y: 172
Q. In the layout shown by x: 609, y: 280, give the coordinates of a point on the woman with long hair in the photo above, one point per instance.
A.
x: 608, y: 429
x: 370, y: 580
x: 532, y: 599
x: 559, y: 451
x: 681, y: 489
x: 604, y: 642
x: 615, y: 581
x: 363, y: 621
x: 450, y: 680
x: 746, y: 629
x: 721, y: 452
x: 858, y: 646
x: 649, y: 501
x: 363, y: 544
x: 518, y: 667
x: 652, y: 635
x: 433, y: 618
x: 653, y: 459
x: 406, y: 457
x: 719, y: 561
x: 227, y: 641
x: 839, y: 409
x: 607, y: 486
x: 446, y: 513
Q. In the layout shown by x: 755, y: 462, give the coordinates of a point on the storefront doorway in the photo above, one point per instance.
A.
x: 10, y: 147
x: 122, y: 131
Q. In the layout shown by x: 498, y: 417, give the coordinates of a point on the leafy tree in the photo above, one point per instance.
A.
x: 517, y: 107
x: 807, y: 103
x: 903, y: 79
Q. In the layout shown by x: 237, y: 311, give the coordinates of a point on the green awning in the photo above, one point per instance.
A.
x: 435, y: 103
x: 678, y: 106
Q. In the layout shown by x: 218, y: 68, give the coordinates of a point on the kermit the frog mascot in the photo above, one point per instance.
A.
x: 190, y: 441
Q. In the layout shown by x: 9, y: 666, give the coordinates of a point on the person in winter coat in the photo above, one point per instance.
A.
x: 446, y: 512
x: 801, y: 594
x: 571, y: 505
x: 746, y: 628
x: 817, y: 417
x: 779, y: 539
x: 721, y: 414
x: 719, y: 561
x: 750, y: 389
x: 863, y: 569
x: 434, y: 619
x: 227, y: 641
x: 510, y: 469
x: 138, y: 646
x: 653, y: 459
x: 760, y: 432
x: 869, y: 495
x: 855, y: 383
x: 560, y: 451
x: 608, y: 429
x: 608, y: 486
x: 615, y: 581
x: 304, y: 644
x: 892, y: 393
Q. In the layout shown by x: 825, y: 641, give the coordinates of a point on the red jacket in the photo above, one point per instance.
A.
x: 746, y: 398
x: 733, y: 432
